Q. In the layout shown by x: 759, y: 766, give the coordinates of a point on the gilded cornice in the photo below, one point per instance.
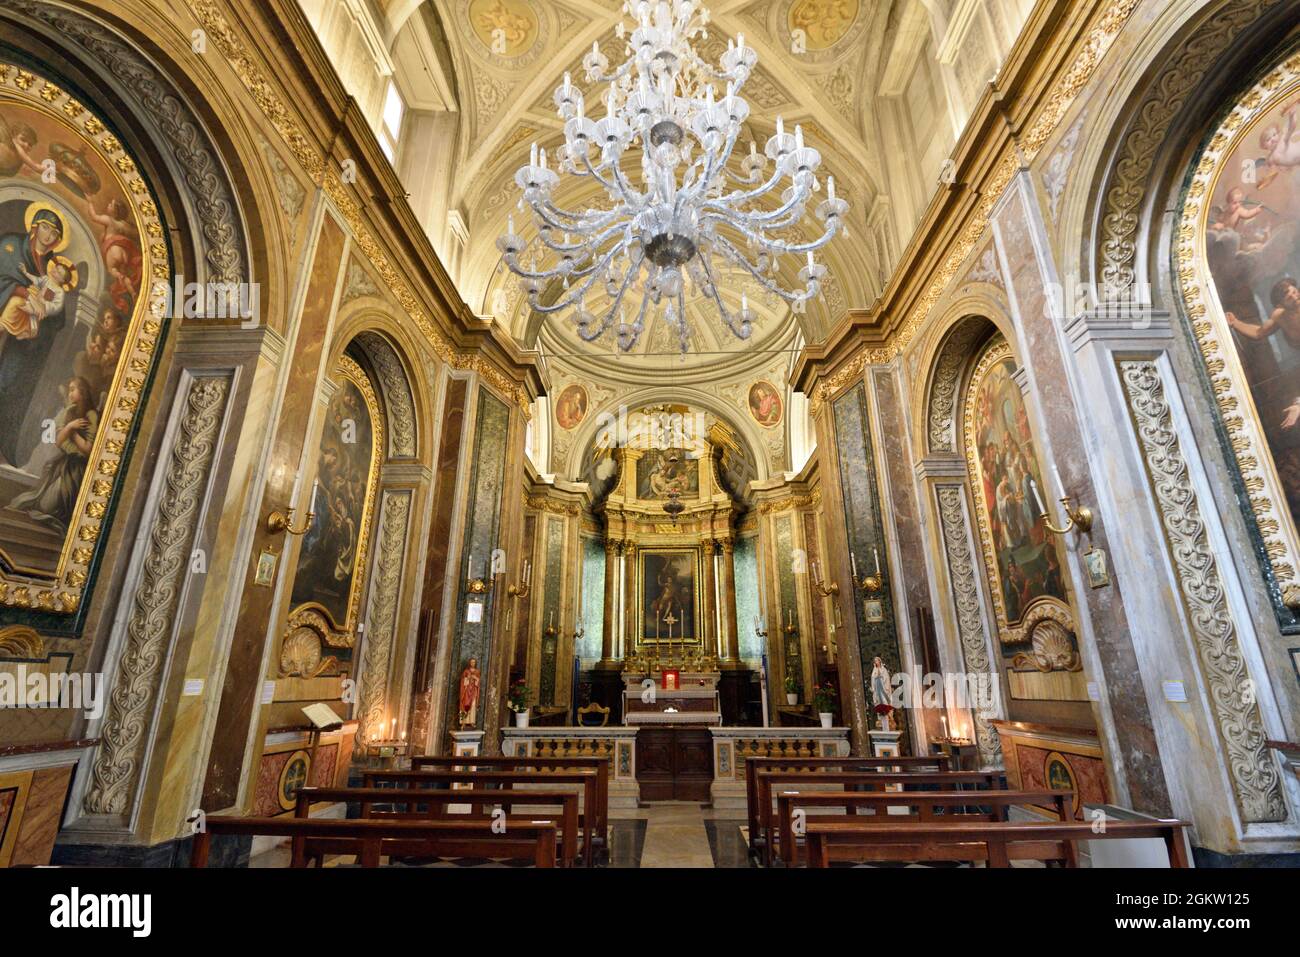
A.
x: 995, y: 152
x: 270, y: 100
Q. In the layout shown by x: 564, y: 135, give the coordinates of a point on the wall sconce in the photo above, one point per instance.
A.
x: 822, y: 588
x: 478, y: 586
x: 868, y: 583
x: 524, y: 588
x: 1080, y: 518
x: 279, y: 522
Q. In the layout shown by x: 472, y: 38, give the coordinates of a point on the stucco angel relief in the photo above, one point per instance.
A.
x: 73, y: 211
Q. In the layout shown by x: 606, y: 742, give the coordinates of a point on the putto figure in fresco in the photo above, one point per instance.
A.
x: 1254, y: 257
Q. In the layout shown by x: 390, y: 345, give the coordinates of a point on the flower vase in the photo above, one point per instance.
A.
x: 521, y: 719
x: 827, y: 717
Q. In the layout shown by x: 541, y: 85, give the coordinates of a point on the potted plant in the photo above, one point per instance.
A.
x: 884, y: 710
x: 517, y: 700
x: 791, y: 690
x: 824, y: 702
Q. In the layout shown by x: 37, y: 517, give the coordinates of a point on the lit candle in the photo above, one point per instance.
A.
x: 393, y: 733
x: 944, y: 719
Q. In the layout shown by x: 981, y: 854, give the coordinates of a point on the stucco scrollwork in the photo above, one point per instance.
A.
x: 954, y: 355
x: 1255, y: 778
x: 970, y: 623
x: 151, y: 622
x: 1164, y: 100
x: 397, y: 394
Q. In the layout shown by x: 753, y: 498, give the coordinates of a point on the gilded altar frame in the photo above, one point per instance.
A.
x: 313, y: 616
x: 1045, y: 607
x: 1264, y: 498
x: 64, y: 592
x: 697, y: 571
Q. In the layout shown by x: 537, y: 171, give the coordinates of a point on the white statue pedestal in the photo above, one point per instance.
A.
x: 884, y: 744
x: 468, y: 743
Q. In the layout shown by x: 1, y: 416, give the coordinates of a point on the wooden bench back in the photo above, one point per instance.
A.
x: 371, y: 839
x: 996, y: 844
x: 437, y: 803
x: 600, y: 765
x: 754, y: 765
x: 956, y: 806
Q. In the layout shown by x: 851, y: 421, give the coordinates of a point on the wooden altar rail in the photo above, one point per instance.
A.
x: 996, y: 844
x: 436, y: 805
x: 918, y: 806
x: 371, y: 840
x: 585, y: 778
x: 863, y: 781
x: 754, y: 765
x: 601, y: 765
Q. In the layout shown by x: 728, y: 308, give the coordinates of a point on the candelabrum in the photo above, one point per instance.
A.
x: 822, y: 588
x: 871, y: 584
x: 278, y: 522
x: 1080, y: 518
x: 524, y: 588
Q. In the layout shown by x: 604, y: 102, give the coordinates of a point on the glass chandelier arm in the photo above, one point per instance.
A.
x: 744, y: 196
x: 620, y: 185
x: 738, y: 258
x: 782, y: 247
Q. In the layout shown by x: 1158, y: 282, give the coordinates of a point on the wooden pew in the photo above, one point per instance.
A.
x: 997, y: 844
x: 862, y: 781
x: 371, y: 840
x: 601, y: 810
x: 955, y: 807
x: 435, y: 808
x: 586, y: 778
x: 754, y: 765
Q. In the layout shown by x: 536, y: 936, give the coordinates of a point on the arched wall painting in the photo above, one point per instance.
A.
x: 1238, y: 260
x: 330, y: 577
x: 84, y: 270
x: 1026, y: 579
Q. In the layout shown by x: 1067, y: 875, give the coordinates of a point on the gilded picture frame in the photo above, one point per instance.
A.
x: 656, y: 559
x: 1012, y: 630
x: 64, y: 591
x: 1265, y: 497
x: 313, y: 614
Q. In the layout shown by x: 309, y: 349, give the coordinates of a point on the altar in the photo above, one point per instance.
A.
x: 671, y: 697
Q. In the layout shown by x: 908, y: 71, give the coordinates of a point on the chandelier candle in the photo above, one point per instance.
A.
x: 691, y: 213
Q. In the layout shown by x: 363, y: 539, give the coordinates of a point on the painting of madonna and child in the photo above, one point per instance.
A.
x: 70, y: 275
x: 1252, y: 248
x: 1028, y: 566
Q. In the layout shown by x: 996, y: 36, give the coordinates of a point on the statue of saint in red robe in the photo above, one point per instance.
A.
x: 469, y: 682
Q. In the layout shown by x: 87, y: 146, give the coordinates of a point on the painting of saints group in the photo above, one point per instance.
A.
x: 1252, y: 250
x: 70, y: 281
x: 1028, y: 566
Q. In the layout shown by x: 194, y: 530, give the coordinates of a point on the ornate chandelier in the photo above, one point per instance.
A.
x: 688, y: 214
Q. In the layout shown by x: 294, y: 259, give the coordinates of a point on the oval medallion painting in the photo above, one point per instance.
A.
x: 571, y: 407
x: 80, y: 239
x: 765, y: 404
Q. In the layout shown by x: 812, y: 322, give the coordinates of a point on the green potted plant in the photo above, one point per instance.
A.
x: 517, y: 700
x: 791, y: 690
x: 824, y: 701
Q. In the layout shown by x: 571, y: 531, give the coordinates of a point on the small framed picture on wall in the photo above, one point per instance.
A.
x: 874, y: 609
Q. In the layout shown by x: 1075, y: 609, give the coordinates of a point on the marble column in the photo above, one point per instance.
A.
x: 730, y: 633
x: 708, y: 627
x: 613, y: 550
